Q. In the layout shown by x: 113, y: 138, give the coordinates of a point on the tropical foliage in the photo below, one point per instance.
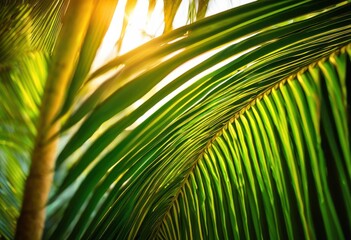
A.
x: 234, y: 127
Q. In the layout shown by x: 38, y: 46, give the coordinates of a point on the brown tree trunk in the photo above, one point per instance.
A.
x: 31, y: 222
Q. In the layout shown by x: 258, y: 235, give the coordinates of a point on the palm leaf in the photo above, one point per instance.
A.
x: 179, y: 167
x: 23, y: 70
x: 98, y: 24
x: 289, y: 179
x: 29, y: 30
x: 233, y: 127
x: 18, y: 130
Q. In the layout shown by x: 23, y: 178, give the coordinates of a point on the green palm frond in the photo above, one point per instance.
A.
x: 123, y: 182
x: 279, y: 169
x: 21, y: 87
x: 28, y: 33
x: 102, y: 16
x: 23, y: 69
x: 236, y: 126
x: 15, y: 20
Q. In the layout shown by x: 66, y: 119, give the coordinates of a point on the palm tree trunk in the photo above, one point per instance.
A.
x: 30, y: 224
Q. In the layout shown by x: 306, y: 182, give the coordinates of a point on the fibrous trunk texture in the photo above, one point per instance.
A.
x: 31, y: 222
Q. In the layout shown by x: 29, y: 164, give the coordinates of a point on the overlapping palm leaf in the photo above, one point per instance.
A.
x: 23, y: 70
x: 279, y: 169
x: 216, y: 129
x: 28, y: 32
x: 125, y: 181
x: 19, y: 101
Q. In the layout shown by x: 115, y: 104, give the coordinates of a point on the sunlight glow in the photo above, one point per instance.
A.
x: 217, y: 6
x: 178, y: 72
x: 136, y: 34
x: 143, y: 27
x: 113, y: 33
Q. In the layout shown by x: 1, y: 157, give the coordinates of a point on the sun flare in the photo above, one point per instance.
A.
x: 141, y: 27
